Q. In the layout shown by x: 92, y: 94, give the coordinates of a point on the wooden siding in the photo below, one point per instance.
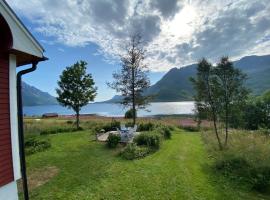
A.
x: 6, y: 167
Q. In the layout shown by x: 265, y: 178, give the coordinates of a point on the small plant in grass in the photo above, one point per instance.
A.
x: 56, y: 130
x: 260, y: 178
x: 113, y: 140
x: 233, y: 166
x: 70, y: 122
x: 150, y: 139
x: 115, y: 124
x: 132, y: 151
x: 34, y: 145
x: 165, y: 132
x: 149, y: 126
x: 190, y: 128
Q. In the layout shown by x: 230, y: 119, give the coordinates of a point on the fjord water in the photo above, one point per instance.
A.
x: 115, y: 110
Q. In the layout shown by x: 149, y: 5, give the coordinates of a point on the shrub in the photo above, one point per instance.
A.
x: 190, y: 128
x: 233, y: 166
x: 34, y: 145
x: 150, y: 139
x: 132, y: 151
x: 149, y: 126
x: 110, y: 126
x: 260, y: 178
x: 165, y: 132
x: 113, y: 140
x: 129, y: 114
x: 59, y: 130
x: 70, y: 122
x: 115, y: 124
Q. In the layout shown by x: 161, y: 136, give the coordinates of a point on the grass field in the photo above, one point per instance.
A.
x: 76, y: 167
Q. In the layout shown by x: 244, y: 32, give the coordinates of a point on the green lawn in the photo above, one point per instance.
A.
x: 88, y: 170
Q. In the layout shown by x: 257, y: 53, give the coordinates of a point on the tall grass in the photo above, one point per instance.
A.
x: 246, y: 158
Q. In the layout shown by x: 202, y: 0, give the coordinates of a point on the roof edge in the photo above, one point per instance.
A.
x: 24, y: 28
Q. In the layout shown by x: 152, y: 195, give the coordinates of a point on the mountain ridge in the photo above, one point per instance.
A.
x: 31, y: 96
x: 176, y: 86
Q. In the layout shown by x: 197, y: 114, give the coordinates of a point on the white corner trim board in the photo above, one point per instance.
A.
x: 9, y: 191
x: 13, y: 117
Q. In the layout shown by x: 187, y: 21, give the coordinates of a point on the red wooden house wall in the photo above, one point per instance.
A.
x: 6, y: 167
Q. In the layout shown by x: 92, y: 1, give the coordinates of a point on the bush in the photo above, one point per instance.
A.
x: 260, y: 178
x: 34, y: 145
x: 246, y: 158
x: 59, y: 130
x: 113, y: 140
x: 165, y: 132
x: 150, y: 139
x: 115, y: 124
x: 149, y: 126
x: 190, y: 128
x: 233, y: 166
x: 110, y: 126
x: 70, y: 122
x: 129, y: 114
x: 132, y: 151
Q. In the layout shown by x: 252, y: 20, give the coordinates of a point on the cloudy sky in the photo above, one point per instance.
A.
x: 176, y: 33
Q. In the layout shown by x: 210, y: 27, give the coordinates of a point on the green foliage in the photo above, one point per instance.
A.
x: 164, y: 173
x: 113, y: 140
x: 76, y: 88
x: 260, y: 178
x: 165, y: 132
x: 132, y: 80
x: 191, y: 128
x: 256, y: 113
x: 220, y: 91
x: 149, y: 126
x: 70, y: 122
x: 129, y: 114
x: 34, y: 145
x: 115, y: 124
x: 246, y: 159
x: 109, y: 126
x: 175, y: 85
x: 233, y: 165
x: 132, y: 151
x: 59, y: 130
x: 150, y: 139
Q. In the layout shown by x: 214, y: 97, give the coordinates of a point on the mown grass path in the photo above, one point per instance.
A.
x: 88, y: 170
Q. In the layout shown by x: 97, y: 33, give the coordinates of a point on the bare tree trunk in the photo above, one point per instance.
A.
x: 215, y: 127
x: 133, y: 96
x: 77, y: 120
x: 226, y: 125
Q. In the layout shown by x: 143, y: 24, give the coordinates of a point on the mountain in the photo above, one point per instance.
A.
x: 115, y: 99
x: 257, y: 69
x: 176, y: 86
x: 33, y: 97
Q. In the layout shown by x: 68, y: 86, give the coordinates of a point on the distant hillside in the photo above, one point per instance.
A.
x: 258, y: 70
x: 175, y: 84
x: 115, y: 99
x: 33, y: 96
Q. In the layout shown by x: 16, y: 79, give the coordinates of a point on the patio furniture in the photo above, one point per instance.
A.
x: 127, y: 133
x: 123, y: 127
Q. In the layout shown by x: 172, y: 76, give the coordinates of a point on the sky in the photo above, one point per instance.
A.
x: 175, y: 33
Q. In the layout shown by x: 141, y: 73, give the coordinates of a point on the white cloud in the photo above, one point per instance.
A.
x: 176, y: 32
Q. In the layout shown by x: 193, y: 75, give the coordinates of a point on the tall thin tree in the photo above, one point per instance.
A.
x: 206, y: 94
x: 132, y: 80
x: 230, y: 83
